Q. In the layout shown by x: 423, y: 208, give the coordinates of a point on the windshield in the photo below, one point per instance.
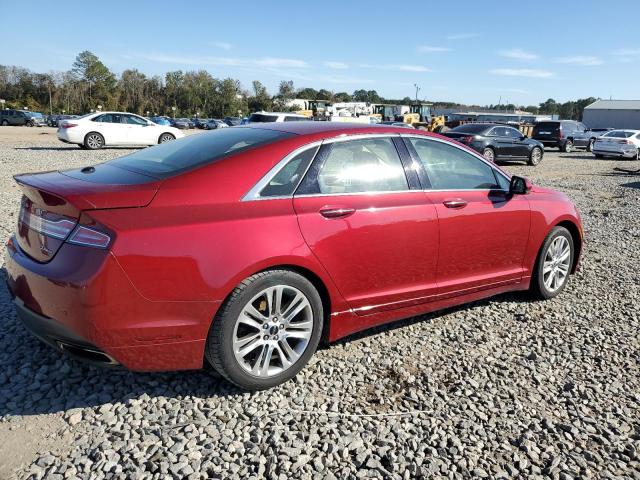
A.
x: 171, y: 158
x: 471, y: 128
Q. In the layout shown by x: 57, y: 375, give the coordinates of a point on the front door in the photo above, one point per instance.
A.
x: 139, y: 132
x: 377, y: 238
x: 483, y: 229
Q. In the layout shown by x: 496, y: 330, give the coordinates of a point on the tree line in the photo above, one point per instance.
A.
x: 89, y: 84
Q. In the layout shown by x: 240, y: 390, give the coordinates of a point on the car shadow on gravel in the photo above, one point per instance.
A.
x: 631, y: 185
x: 37, y: 379
x: 511, y: 297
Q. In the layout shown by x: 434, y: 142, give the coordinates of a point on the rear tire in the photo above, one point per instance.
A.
x: 599, y: 155
x: 253, y: 326
x: 554, y: 263
x: 5, y: 123
x: 489, y: 153
x: 535, y: 156
x: 590, y: 145
x: 568, y: 146
x: 93, y: 141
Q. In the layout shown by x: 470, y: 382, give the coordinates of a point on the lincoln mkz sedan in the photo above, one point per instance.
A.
x: 243, y: 248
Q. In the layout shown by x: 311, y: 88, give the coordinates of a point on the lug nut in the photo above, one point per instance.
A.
x: 266, y: 337
x: 275, y: 337
x: 265, y: 326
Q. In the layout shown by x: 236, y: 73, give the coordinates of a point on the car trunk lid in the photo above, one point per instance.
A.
x: 53, y: 201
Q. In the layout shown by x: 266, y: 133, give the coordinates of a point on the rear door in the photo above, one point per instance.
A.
x: 376, y: 235
x: 519, y: 146
x: 483, y: 230
x: 503, y: 141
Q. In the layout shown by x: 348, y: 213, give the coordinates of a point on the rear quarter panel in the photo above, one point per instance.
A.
x: 197, y: 240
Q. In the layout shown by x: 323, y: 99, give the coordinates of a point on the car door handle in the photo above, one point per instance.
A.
x: 336, y: 212
x: 455, y: 203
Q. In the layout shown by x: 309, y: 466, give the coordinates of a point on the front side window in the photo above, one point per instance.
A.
x: 286, y: 180
x: 451, y: 168
x: 359, y: 166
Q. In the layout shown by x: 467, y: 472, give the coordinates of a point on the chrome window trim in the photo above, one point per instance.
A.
x: 254, y: 193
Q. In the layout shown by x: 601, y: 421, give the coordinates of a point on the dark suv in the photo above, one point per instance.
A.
x: 565, y: 135
x: 14, y: 117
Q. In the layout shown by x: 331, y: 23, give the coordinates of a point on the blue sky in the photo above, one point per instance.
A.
x: 465, y: 51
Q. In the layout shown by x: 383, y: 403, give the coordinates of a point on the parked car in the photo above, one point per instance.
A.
x: 393, y: 123
x: 36, y: 119
x: 101, y: 129
x: 199, y: 122
x: 214, y: 123
x: 14, y: 117
x: 566, y: 135
x: 181, y: 123
x: 262, y: 117
x: 140, y: 262
x: 54, y: 120
x: 161, y: 120
x: 232, y: 121
x: 498, y: 142
x: 618, y: 143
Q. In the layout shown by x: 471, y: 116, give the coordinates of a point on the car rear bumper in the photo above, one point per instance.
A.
x: 629, y: 152
x: 83, y: 303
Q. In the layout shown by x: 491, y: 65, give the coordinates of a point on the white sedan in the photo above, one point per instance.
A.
x: 97, y: 130
x: 618, y: 143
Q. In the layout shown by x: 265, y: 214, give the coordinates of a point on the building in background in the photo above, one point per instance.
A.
x: 612, y: 114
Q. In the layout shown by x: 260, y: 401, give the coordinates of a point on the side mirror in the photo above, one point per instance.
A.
x: 519, y: 185
x: 523, y: 137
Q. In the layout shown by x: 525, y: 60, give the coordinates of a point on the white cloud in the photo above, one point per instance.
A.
x: 431, y: 49
x: 412, y: 68
x: 335, y: 65
x: 581, y: 60
x: 265, y: 62
x: 461, y: 36
x: 222, y: 45
x: 522, y: 72
x: 518, y: 54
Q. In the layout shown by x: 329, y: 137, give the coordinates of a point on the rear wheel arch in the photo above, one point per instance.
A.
x: 307, y: 273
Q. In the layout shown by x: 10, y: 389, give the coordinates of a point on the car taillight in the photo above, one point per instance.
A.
x: 466, y: 139
x: 624, y: 142
x: 68, y: 125
x: 89, y: 237
x: 51, y: 227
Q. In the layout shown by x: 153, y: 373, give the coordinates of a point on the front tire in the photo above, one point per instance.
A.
x: 553, y: 265
x: 535, y: 156
x: 590, y: 145
x: 166, y: 137
x: 93, y: 141
x: 266, y: 331
x: 5, y: 123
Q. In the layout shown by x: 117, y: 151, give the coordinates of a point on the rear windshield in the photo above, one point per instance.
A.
x: 551, y: 126
x: 471, y: 128
x: 619, y: 134
x: 260, y: 117
x: 174, y: 157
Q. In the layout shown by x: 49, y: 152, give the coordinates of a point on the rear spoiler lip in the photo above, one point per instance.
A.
x: 95, y: 196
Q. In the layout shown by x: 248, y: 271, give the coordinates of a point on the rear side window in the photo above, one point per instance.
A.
x: 109, y: 118
x: 295, y: 119
x: 171, y: 158
x: 132, y: 120
x: 450, y: 168
x: 359, y: 166
x: 286, y: 180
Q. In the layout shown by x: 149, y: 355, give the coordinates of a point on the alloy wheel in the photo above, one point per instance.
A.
x: 536, y: 155
x: 556, y: 264
x: 94, y: 141
x: 488, y: 154
x: 166, y: 137
x: 273, y: 331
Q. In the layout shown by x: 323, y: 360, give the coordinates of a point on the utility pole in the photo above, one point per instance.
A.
x: 417, y: 90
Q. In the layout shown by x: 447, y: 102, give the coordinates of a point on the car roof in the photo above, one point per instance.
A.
x: 331, y: 129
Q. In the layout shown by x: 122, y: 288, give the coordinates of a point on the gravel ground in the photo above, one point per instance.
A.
x: 496, y: 389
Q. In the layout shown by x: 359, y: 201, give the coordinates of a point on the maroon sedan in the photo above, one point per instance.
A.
x: 246, y: 246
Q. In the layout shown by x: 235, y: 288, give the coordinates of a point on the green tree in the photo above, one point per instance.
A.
x: 260, y: 100
x: 97, y: 79
x: 286, y: 93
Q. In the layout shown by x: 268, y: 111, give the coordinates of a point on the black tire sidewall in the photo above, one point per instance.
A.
x: 219, y: 350
x: 568, y: 146
x: 538, y: 286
